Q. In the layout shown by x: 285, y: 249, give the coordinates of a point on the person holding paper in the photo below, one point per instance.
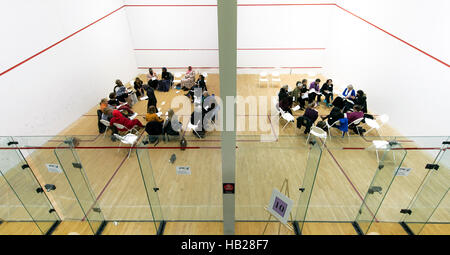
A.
x: 327, y: 91
x: 138, y: 86
x: 152, y: 79
x: 300, y: 93
x: 120, y: 119
x: 152, y: 115
x: 314, y: 91
x: 349, y: 93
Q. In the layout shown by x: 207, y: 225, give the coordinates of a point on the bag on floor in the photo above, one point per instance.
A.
x: 164, y: 85
x: 183, y: 143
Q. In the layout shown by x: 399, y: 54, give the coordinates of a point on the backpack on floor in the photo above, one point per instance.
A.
x: 183, y: 143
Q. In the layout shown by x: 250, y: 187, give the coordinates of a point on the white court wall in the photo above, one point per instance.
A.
x: 55, y: 88
x: 174, y: 37
x: 409, y: 86
x: 268, y: 36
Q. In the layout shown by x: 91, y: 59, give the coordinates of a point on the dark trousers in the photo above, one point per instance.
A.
x: 312, y: 96
x: 304, y: 121
x: 302, y: 102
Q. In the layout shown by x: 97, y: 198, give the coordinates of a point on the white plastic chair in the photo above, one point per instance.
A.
x: 317, y: 132
x: 285, y: 115
x: 275, y: 78
x: 193, y: 127
x: 330, y: 126
x: 288, y: 117
x: 355, y: 122
x: 127, y: 139
x: 122, y: 127
x: 263, y: 78
x: 106, y: 124
x: 177, y: 78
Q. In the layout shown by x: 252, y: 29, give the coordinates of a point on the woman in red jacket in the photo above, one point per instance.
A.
x: 120, y: 119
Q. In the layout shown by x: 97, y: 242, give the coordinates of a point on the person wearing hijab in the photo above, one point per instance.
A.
x: 189, y: 79
x: 152, y: 79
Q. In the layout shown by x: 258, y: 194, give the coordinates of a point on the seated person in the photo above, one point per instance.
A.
x: 189, y: 79
x: 349, y: 93
x: 154, y: 129
x: 335, y: 115
x: 138, y: 86
x: 125, y: 110
x: 165, y: 75
x: 112, y: 99
x: 299, y: 93
x: 121, y: 92
x: 192, y: 91
x: 120, y: 119
x: 315, y: 87
x: 107, y: 115
x: 197, y: 117
x: 339, y: 102
x: 327, y: 91
x: 201, y: 82
x: 352, y: 116
x: 210, y: 106
x: 152, y: 79
x: 361, y: 100
x: 283, y: 93
x: 286, y: 104
x: 171, y: 126
x: 151, y: 114
x: 308, y: 118
x: 103, y: 104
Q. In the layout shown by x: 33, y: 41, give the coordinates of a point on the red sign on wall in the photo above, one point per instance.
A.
x: 228, y: 188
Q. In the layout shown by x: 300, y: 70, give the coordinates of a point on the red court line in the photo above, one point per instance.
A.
x: 53, y: 45
x: 350, y: 181
x: 403, y: 41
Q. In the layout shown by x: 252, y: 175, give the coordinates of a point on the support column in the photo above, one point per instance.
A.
x: 227, y: 20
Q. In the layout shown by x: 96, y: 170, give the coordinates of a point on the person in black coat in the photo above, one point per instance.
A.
x: 151, y: 97
x: 327, y: 91
x: 335, y: 114
x: 283, y: 93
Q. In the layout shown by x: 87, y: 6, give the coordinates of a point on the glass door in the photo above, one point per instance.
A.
x: 21, y: 180
x: 430, y: 195
x: 150, y: 186
x: 393, y: 156
x: 312, y: 165
x: 79, y: 183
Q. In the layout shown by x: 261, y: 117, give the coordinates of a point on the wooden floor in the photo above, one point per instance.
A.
x: 115, y: 182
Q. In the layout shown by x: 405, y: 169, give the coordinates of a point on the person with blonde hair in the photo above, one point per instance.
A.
x: 172, y: 127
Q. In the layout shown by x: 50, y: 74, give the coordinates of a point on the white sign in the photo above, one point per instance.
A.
x: 280, y: 206
x: 54, y: 168
x: 185, y: 170
x: 403, y: 171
